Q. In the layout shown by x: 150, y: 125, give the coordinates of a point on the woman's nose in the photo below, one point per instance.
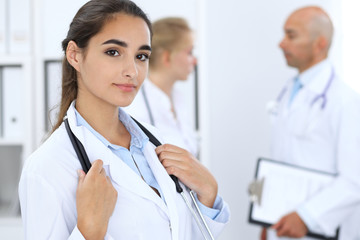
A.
x: 130, y: 69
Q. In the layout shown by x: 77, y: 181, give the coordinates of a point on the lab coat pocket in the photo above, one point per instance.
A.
x: 306, y: 121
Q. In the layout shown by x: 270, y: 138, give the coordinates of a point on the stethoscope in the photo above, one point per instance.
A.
x: 86, y: 165
x: 273, y: 107
x: 146, y: 100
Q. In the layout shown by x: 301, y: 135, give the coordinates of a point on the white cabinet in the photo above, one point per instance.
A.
x: 16, y: 136
x: 16, y: 109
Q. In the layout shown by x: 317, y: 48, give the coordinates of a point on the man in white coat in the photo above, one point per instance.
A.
x: 316, y: 125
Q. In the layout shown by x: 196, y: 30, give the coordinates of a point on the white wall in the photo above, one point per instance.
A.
x: 245, y: 69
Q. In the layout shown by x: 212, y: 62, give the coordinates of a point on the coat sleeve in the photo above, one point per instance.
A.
x: 335, y: 203
x: 217, y: 224
x: 44, y: 216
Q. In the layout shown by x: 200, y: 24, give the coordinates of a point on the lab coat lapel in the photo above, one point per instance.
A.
x: 118, y: 171
x: 167, y: 187
x: 304, y: 112
x: 125, y: 177
x: 314, y: 88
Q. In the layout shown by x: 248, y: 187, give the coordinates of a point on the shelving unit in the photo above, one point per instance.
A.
x: 16, y: 109
x: 16, y: 142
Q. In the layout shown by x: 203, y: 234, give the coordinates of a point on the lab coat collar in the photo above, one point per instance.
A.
x: 161, y: 97
x: 123, y: 175
x: 167, y: 186
x: 316, y: 78
x: 314, y: 81
x: 88, y: 139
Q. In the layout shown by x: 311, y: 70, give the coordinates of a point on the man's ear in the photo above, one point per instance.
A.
x: 73, y: 55
x: 322, y: 44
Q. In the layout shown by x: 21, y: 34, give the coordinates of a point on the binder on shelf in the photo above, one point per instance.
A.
x: 1, y: 104
x: 52, y: 91
x: 279, y: 188
x: 12, y: 102
x: 10, y: 169
x: 19, y: 26
x: 3, y: 26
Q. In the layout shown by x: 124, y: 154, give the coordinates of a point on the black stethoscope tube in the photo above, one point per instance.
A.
x: 84, y: 159
x: 86, y: 165
x: 79, y: 148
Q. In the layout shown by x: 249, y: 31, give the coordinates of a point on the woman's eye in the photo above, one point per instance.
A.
x: 112, y: 53
x: 142, y: 57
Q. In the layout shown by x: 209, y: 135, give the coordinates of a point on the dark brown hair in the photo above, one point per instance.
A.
x: 89, y: 21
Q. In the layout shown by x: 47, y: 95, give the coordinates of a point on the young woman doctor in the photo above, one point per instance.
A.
x: 127, y: 193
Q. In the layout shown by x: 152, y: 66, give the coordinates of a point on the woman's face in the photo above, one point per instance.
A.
x: 115, y: 62
x: 182, y: 59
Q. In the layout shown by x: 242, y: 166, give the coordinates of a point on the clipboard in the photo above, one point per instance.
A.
x: 279, y: 188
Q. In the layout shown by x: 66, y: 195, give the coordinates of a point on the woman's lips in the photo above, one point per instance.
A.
x: 126, y: 87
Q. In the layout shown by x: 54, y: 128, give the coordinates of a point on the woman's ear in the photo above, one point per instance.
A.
x: 166, y: 58
x: 73, y: 55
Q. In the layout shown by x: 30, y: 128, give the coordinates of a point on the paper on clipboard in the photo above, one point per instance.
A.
x: 284, y: 188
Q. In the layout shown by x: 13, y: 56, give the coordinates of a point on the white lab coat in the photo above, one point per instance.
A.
x: 178, y: 131
x: 48, y: 185
x: 326, y: 140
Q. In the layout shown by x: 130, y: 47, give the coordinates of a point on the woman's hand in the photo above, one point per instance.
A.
x: 95, y: 201
x: 190, y: 171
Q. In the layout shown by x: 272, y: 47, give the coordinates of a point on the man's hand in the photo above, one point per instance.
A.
x: 263, y: 235
x: 290, y: 225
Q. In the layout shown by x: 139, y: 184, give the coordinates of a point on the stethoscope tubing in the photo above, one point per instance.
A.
x: 316, y: 98
x: 86, y: 165
x: 147, y: 104
x: 79, y: 148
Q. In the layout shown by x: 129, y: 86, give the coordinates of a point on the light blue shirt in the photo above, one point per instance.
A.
x: 135, y: 158
x: 296, y: 88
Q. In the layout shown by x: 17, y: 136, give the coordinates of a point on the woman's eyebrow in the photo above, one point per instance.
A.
x: 145, y: 47
x: 124, y: 44
x: 117, y: 42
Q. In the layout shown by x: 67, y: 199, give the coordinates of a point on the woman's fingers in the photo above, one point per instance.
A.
x: 168, y: 148
x: 81, y: 175
x: 94, y: 191
x: 190, y: 171
x: 96, y: 167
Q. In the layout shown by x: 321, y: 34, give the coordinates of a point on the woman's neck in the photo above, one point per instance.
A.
x: 103, y: 118
x: 163, y: 81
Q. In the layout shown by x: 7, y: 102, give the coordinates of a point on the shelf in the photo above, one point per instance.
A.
x: 11, y: 142
x: 11, y: 228
x: 14, y: 59
x: 10, y: 221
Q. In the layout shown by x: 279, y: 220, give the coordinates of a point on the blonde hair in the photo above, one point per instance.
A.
x: 167, y: 34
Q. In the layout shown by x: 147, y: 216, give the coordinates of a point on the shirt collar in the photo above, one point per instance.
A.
x: 138, y: 137
x: 312, y: 72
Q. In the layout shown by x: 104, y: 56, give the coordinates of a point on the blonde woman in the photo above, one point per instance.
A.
x: 158, y: 102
